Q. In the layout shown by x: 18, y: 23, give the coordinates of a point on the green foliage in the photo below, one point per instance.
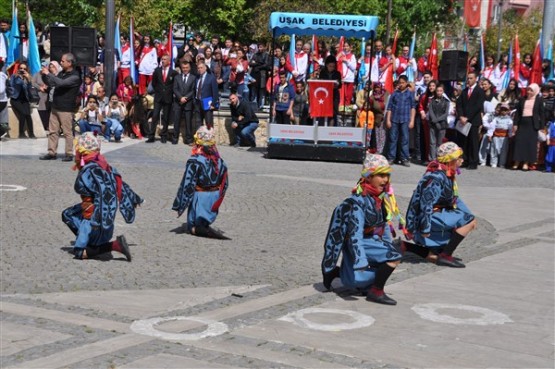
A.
x: 528, y: 29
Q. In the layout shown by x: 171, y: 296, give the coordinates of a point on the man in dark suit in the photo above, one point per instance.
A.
x: 206, y: 96
x: 184, y: 92
x: 470, y: 107
x: 162, y: 83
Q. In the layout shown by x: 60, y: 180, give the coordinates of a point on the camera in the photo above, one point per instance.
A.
x: 21, y: 72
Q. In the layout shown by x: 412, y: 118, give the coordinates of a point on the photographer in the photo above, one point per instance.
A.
x: 19, y: 83
x: 90, y: 119
x: 114, y: 114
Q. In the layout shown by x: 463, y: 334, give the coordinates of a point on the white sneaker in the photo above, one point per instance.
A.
x: 482, y: 164
x: 494, y: 165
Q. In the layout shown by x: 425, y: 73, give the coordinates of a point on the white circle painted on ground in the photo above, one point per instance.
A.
x: 298, y: 318
x: 11, y: 188
x: 148, y: 328
x: 488, y: 316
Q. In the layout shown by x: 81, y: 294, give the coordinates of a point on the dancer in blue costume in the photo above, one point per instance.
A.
x: 437, y: 218
x: 203, y: 186
x: 102, y: 191
x: 361, y: 230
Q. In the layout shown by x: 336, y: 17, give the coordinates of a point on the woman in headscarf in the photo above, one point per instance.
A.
x: 529, y: 119
x: 376, y: 102
x: 102, y: 192
x: 361, y: 229
x: 203, y: 186
x: 437, y: 218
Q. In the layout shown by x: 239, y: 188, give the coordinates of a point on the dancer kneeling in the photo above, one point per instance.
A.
x: 438, y: 219
x: 203, y: 186
x: 360, y: 228
x: 102, y: 192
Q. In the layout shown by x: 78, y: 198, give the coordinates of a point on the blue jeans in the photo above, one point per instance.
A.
x: 243, y: 92
x: 85, y: 126
x: 114, y: 125
x: 245, y: 133
x: 399, y: 131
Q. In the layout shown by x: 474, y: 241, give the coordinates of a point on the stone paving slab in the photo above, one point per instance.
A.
x: 171, y: 362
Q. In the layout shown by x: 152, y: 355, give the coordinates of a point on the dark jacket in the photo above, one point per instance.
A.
x: 19, y: 88
x: 244, y: 109
x: 209, y: 89
x: 163, y: 90
x: 473, y: 106
x: 439, y: 111
x: 538, y: 113
x: 66, y: 89
x: 182, y: 89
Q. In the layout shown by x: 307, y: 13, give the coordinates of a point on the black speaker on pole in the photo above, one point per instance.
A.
x: 83, y: 45
x: 79, y: 41
x: 453, y: 65
x: 60, y: 41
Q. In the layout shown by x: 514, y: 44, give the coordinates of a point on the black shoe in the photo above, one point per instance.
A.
x: 32, y: 137
x: 174, y: 142
x: 48, y: 157
x: 124, y: 247
x: 209, y: 232
x: 381, y: 299
x: 405, y: 163
x: 22, y: 137
x: 449, y: 261
x: 67, y: 158
x: 150, y: 140
x: 329, y: 277
x: 163, y: 140
x: 472, y: 167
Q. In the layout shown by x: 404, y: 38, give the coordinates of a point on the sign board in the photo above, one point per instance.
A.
x: 348, y: 134
x: 292, y: 132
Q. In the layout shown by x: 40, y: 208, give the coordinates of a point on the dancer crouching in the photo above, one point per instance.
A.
x: 360, y: 227
x: 438, y: 219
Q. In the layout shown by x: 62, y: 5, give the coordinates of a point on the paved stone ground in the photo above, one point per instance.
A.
x: 60, y: 312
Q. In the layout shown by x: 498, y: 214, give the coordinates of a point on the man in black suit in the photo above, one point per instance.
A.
x: 470, y: 107
x: 184, y: 92
x: 162, y: 83
x: 206, y: 96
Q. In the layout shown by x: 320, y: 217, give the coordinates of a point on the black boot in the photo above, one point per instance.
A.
x: 209, y: 233
x: 329, y: 277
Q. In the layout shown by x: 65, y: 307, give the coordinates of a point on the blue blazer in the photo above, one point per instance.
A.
x: 209, y: 89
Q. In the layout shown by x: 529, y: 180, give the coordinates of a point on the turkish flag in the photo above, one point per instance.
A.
x: 321, y: 98
x: 472, y: 11
x: 537, y: 73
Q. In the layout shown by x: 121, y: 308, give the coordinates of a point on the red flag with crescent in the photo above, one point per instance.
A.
x: 321, y: 98
x: 516, y: 59
x: 434, y: 58
x: 537, y: 73
x: 472, y: 13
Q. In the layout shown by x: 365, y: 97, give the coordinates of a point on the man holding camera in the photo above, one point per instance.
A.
x: 66, y: 88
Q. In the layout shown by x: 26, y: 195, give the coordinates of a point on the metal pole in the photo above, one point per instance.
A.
x: 499, y: 24
x: 548, y: 26
x: 388, y: 21
x: 109, y: 53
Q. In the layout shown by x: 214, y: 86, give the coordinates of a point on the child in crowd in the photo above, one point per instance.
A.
x: 499, y: 131
x: 491, y: 111
x: 438, y: 111
x: 90, y: 118
x: 114, y: 114
x: 102, y: 192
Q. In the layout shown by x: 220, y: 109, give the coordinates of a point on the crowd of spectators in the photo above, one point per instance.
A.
x: 406, y: 124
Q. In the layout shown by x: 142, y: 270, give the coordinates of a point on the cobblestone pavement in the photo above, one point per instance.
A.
x: 60, y: 312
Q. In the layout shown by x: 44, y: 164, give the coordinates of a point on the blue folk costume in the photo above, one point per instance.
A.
x: 102, y: 192
x: 361, y: 229
x: 203, y: 186
x: 435, y: 209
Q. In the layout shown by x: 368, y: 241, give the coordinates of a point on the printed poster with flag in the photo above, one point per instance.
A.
x: 321, y: 98
x: 472, y: 13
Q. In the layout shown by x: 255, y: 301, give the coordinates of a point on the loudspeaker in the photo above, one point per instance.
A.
x: 83, y: 45
x: 60, y: 41
x: 453, y: 65
x: 79, y: 41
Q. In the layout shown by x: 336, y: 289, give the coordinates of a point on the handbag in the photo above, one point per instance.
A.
x: 33, y: 94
